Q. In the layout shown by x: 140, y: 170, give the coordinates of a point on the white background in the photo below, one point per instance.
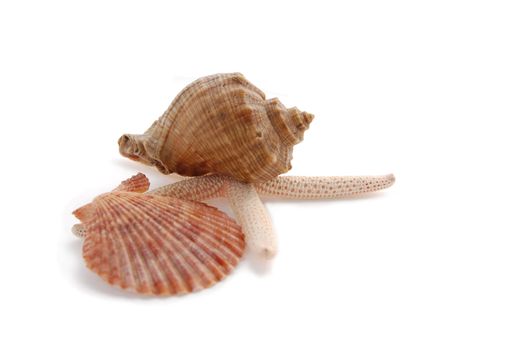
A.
x: 434, y: 92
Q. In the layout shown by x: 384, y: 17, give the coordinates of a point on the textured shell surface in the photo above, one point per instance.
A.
x: 221, y: 124
x: 158, y: 245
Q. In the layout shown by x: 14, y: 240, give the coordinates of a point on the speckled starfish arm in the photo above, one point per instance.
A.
x: 253, y: 217
x: 79, y: 230
x: 322, y: 187
x: 287, y: 187
x: 196, y: 188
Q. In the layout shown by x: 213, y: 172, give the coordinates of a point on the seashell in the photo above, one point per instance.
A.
x: 157, y: 245
x: 138, y: 183
x: 221, y: 124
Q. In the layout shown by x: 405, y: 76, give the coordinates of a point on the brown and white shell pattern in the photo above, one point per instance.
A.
x: 158, y: 245
x: 221, y: 124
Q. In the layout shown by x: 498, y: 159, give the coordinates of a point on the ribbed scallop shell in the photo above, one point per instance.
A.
x: 221, y: 124
x: 138, y: 183
x: 158, y: 245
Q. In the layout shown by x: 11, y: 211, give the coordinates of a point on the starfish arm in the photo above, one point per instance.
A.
x: 196, y: 188
x: 322, y: 187
x: 79, y: 230
x: 253, y: 217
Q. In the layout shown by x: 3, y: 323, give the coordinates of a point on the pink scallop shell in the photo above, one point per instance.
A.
x: 158, y: 245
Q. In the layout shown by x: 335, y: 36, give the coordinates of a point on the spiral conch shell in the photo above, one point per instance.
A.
x: 157, y: 245
x: 221, y: 124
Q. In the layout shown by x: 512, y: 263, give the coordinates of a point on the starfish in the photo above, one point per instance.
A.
x: 249, y: 210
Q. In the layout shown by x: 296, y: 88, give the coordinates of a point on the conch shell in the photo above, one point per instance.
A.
x: 221, y: 124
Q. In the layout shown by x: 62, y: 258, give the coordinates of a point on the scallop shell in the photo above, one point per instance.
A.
x: 158, y: 245
x: 221, y: 124
x: 138, y: 183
